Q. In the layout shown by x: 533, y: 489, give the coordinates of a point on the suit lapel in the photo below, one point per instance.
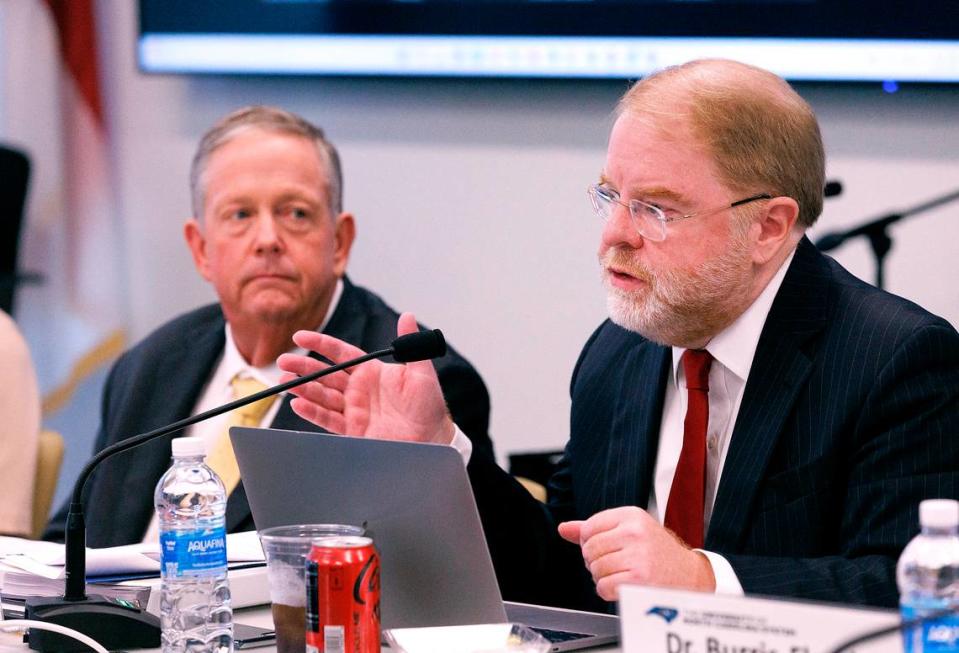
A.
x: 178, y: 381
x: 650, y: 418
x: 780, y: 367
x: 348, y: 322
x: 631, y: 455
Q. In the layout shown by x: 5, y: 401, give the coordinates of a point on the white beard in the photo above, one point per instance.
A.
x: 682, y: 307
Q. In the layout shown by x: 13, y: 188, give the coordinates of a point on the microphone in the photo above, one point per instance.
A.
x: 832, y: 188
x: 422, y: 345
x: 870, y: 229
x: 876, y: 231
x: 118, y: 626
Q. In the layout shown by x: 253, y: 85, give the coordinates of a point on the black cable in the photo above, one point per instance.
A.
x: 888, y: 630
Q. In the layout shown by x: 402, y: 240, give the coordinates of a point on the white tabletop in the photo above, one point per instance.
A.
x: 258, y: 616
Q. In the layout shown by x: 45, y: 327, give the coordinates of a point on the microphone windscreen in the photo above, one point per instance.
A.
x: 833, y: 188
x: 419, y: 346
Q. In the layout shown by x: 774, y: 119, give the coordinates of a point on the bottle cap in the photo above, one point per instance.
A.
x: 939, y: 513
x: 188, y: 447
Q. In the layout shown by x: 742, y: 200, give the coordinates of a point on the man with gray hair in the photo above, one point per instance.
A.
x: 751, y: 418
x: 269, y: 233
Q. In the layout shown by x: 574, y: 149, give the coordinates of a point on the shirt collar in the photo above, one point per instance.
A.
x: 233, y: 362
x: 735, y: 346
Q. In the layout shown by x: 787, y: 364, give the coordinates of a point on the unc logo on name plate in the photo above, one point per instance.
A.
x: 668, y: 614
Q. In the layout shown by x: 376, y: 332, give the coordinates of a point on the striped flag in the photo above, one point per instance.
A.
x: 52, y: 108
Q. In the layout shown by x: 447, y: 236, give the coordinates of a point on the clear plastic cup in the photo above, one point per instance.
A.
x: 286, y: 548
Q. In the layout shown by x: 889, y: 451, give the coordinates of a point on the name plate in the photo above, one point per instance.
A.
x: 657, y: 620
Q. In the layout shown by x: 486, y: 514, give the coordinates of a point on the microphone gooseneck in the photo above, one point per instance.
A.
x: 75, y: 536
x: 417, y: 346
x: 876, y: 231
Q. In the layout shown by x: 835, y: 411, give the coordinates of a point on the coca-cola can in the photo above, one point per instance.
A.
x: 343, y: 596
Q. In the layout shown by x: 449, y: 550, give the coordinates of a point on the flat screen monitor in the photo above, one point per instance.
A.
x: 829, y: 40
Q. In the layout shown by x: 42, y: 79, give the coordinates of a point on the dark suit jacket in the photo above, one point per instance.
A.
x: 849, y: 418
x: 160, y: 380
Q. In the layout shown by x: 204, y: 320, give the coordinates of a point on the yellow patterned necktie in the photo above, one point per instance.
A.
x: 221, y: 458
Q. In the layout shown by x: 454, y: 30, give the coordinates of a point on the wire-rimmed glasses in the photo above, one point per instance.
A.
x: 648, y: 219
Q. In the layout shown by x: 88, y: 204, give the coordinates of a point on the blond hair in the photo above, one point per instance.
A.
x: 763, y: 137
x: 271, y: 119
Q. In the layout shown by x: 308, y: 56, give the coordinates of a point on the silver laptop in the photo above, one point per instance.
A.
x: 416, y: 503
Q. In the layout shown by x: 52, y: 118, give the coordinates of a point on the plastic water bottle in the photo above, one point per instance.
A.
x: 928, y: 577
x: 190, y: 500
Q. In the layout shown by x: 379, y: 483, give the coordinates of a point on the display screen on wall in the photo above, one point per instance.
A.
x: 832, y: 40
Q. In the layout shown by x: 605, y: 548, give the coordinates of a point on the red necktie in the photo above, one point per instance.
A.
x: 684, y: 511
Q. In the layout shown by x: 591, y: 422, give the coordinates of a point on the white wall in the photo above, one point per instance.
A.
x: 470, y: 199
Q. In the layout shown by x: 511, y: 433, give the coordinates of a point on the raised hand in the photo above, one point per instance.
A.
x: 373, y: 399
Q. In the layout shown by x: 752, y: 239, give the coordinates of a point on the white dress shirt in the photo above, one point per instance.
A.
x: 732, y: 350
x: 219, y: 391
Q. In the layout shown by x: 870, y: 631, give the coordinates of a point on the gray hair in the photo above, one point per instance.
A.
x: 271, y: 119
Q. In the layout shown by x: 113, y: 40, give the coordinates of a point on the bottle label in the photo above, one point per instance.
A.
x: 201, y: 552
x: 936, y: 636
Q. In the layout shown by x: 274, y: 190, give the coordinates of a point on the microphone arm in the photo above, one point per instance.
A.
x: 75, y: 538
x: 875, y: 231
x: 408, y: 348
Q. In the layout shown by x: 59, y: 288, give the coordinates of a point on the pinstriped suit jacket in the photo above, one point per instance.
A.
x: 850, y: 417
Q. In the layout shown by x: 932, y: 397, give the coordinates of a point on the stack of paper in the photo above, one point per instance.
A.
x: 31, y: 568
x: 19, y: 586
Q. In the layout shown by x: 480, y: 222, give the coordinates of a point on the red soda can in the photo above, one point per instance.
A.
x: 343, y: 596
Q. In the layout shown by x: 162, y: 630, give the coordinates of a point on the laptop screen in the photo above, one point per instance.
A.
x: 414, y: 500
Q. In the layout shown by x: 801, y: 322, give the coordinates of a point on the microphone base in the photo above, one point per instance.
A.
x: 113, y: 625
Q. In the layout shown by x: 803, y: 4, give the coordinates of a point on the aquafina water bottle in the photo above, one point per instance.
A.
x: 190, y: 500
x: 928, y: 577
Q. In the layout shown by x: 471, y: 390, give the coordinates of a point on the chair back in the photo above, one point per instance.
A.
x: 15, y: 173
x: 49, y: 458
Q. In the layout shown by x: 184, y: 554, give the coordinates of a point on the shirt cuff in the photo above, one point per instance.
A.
x: 726, y: 580
x: 463, y: 445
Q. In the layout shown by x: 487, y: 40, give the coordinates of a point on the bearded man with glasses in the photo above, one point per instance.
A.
x: 751, y: 418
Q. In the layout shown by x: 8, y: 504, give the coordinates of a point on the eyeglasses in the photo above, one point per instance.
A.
x: 648, y: 219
